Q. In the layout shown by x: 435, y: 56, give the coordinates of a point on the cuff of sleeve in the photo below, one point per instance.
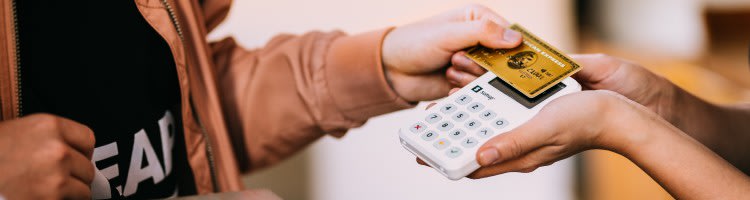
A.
x: 356, y: 77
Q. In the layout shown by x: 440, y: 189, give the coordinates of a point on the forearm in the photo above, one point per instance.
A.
x: 282, y: 97
x: 723, y: 129
x: 684, y: 167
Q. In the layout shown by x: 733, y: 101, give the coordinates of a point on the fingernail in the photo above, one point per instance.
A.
x: 488, y: 157
x: 455, y: 75
x: 465, y: 60
x: 511, y: 36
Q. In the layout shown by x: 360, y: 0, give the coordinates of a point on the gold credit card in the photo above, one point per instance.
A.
x: 531, y: 68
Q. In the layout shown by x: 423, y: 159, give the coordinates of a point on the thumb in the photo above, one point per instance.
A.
x: 595, y: 68
x: 512, y: 144
x: 456, y: 36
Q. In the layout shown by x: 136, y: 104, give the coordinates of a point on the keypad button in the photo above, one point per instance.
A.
x: 457, y: 134
x: 463, y: 99
x: 487, y: 115
x: 429, y: 136
x: 453, y: 152
x: 441, y: 144
x: 448, y: 108
x: 500, y: 123
x: 469, y: 142
x: 432, y: 118
x: 472, y: 124
x: 417, y: 127
x: 445, y: 126
x: 485, y: 133
x: 460, y: 116
x: 476, y: 107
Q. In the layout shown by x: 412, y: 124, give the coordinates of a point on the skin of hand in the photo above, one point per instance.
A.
x: 601, y: 119
x: 45, y: 157
x: 614, y: 122
x: 415, y: 56
x: 721, y: 128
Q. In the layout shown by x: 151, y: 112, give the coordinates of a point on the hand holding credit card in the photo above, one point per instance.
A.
x: 520, y: 81
x: 531, y: 68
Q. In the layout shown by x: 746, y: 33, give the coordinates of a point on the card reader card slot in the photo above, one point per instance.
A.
x: 519, y: 97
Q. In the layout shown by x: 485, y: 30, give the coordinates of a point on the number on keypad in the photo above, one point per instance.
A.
x: 445, y: 126
x: 484, y: 133
x: 432, y: 118
x: 500, y: 123
x: 472, y: 124
x: 463, y: 99
x: 448, y: 108
x: 457, y: 134
x: 476, y: 107
x: 429, y: 136
x: 487, y: 115
x: 460, y: 116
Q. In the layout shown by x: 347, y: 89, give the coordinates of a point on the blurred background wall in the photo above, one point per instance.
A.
x: 699, y: 44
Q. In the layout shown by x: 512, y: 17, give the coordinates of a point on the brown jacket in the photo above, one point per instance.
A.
x: 247, y: 109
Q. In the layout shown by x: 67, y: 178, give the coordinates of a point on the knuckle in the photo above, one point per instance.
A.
x: 90, y: 173
x: 56, y: 151
x: 56, y: 182
x: 484, y: 27
x: 46, y: 122
x: 514, y: 147
x: 527, y: 165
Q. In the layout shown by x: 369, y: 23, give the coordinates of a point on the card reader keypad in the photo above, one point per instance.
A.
x: 461, y: 124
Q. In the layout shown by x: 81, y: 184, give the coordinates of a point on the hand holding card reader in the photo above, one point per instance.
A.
x: 519, y: 83
x: 448, y: 134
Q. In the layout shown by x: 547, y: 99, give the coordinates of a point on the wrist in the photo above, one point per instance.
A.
x: 627, y: 126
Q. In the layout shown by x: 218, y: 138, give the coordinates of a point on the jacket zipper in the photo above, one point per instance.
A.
x: 209, y: 150
x: 19, y: 107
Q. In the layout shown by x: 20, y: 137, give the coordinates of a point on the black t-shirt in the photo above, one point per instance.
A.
x: 101, y: 64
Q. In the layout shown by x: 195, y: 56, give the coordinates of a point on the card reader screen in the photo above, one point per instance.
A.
x: 514, y: 94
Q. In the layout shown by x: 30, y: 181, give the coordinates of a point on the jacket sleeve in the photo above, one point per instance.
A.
x: 280, y: 98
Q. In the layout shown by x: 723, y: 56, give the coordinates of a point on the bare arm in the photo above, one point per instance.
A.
x: 606, y: 120
x: 679, y: 163
x: 723, y: 129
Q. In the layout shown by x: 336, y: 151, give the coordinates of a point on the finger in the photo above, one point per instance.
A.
x: 472, y: 12
x: 459, y: 78
x: 596, y: 67
x: 78, y: 136
x: 527, y: 163
x: 430, y: 106
x: 421, y: 162
x: 75, y: 189
x: 514, y: 144
x: 463, y: 63
x: 80, y: 167
x: 456, y: 36
x: 437, y: 82
x: 454, y: 90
